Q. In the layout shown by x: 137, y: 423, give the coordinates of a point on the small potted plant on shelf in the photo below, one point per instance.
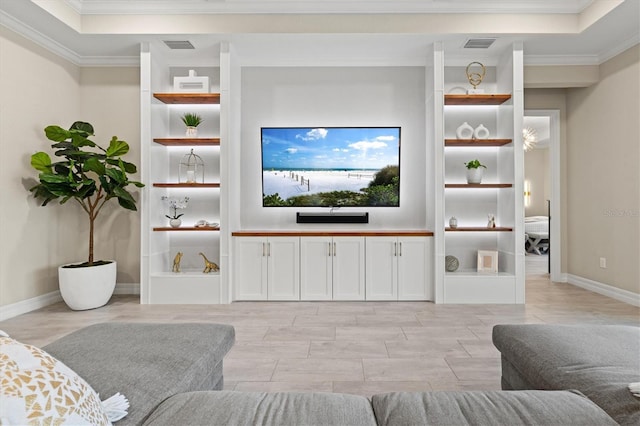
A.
x: 474, y: 171
x: 175, y: 205
x: 90, y: 175
x: 192, y: 121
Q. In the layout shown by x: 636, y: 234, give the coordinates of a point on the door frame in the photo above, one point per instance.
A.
x: 555, y: 231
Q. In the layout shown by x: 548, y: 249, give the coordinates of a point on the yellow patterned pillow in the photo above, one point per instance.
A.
x: 37, y: 389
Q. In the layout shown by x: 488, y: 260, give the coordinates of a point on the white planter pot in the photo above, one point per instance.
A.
x: 474, y: 175
x: 175, y: 223
x: 89, y: 287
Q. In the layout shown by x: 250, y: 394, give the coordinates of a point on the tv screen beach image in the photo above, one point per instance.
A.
x: 331, y: 166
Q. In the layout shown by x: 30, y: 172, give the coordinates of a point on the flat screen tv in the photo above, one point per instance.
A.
x: 330, y: 166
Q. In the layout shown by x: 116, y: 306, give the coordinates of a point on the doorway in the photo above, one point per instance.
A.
x: 542, y: 194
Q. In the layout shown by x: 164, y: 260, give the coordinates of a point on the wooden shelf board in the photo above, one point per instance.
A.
x: 477, y: 142
x: 188, y: 98
x: 187, y: 141
x: 478, y: 229
x: 478, y: 185
x: 186, y: 228
x: 480, y: 99
x: 186, y: 185
x: 389, y: 233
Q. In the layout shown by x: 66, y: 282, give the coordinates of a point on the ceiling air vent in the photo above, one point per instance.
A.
x: 478, y: 43
x: 179, y: 44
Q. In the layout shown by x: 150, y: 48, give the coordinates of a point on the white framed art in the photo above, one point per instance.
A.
x: 488, y: 261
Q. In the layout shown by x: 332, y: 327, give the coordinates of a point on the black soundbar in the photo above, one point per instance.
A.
x: 341, y: 217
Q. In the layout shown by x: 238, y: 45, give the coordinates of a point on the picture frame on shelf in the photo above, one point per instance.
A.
x: 488, y: 261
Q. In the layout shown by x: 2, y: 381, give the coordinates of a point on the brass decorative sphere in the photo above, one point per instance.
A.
x: 475, y: 78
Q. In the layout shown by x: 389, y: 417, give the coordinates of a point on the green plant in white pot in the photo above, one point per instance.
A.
x: 90, y: 175
x: 192, y: 121
x: 474, y: 171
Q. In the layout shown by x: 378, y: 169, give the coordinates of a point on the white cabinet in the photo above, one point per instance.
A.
x: 267, y: 268
x: 398, y: 268
x: 332, y: 268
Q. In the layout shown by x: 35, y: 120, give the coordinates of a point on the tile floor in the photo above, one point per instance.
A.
x: 353, y: 347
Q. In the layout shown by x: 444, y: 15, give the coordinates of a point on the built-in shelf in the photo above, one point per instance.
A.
x: 477, y: 142
x: 186, y: 185
x: 480, y: 99
x: 384, y: 233
x: 478, y: 185
x: 186, y: 228
x: 187, y: 141
x: 188, y: 98
x: 478, y: 229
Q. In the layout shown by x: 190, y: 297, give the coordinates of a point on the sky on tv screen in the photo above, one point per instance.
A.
x: 344, y: 148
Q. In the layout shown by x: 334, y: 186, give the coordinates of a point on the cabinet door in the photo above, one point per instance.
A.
x: 348, y: 268
x: 315, y: 268
x: 251, y: 268
x: 381, y: 268
x: 414, y: 268
x: 283, y: 254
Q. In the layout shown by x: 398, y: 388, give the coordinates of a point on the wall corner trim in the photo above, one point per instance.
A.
x: 605, y: 289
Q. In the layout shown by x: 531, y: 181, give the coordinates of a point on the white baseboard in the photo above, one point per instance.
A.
x: 24, y: 306
x: 127, y: 288
x: 605, y: 289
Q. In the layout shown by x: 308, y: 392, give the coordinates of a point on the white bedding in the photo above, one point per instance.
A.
x: 536, y: 224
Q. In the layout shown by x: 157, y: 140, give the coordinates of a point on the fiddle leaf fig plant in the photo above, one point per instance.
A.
x: 86, y: 173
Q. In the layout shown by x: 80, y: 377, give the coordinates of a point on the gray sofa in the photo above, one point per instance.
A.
x: 598, y: 360
x: 172, y: 374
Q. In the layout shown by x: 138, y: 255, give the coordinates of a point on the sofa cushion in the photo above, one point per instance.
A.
x: 36, y: 388
x: 598, y: 360
x: 488, y: 408
x: 258, y: 408
x: 146, y: 362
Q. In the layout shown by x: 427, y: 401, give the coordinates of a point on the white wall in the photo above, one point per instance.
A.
x: 326, y: 97
x: 38, y: 89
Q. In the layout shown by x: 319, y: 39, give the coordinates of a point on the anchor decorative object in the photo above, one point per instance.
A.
x: 475, y: 78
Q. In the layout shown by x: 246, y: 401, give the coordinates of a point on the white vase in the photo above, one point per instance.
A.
x: 481, y: 132
x: 87, y: 287
x: 175, y: 223
x: 192, y: 132
x: 474, y: 175
x: 453, y: 222
x: 464, y: 131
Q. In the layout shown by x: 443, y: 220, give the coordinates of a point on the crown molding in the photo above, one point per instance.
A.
x: 95, y: 7
x: 619, y: 48
x: 38, y: 38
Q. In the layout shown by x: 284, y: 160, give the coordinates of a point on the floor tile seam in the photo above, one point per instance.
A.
x: 451, y: 368
x: 273, y: 372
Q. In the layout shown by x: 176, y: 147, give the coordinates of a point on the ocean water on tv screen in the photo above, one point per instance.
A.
x: 331, y: 167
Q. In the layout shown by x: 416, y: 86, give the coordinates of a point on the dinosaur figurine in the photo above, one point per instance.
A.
x: 176, y: 262
x: 209, y: 266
